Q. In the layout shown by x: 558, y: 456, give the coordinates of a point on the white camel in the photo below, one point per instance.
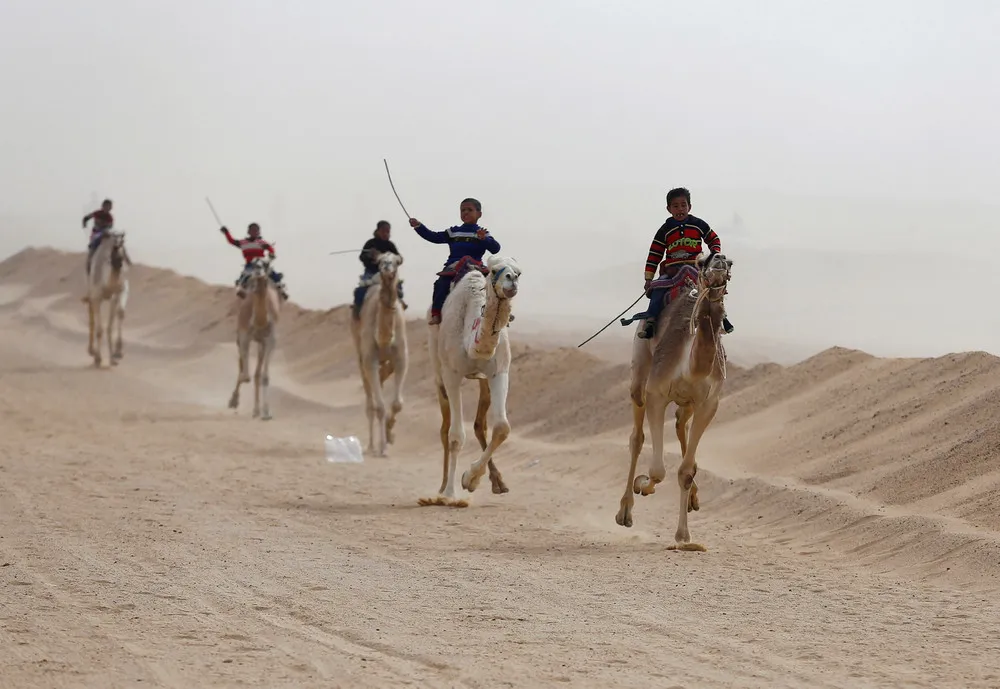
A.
x: 257, y: 321
x: 380, y: 341
x: 107, y: 281
x: 472, y: 342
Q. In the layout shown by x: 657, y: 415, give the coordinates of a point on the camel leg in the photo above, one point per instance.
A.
x: 112, y: 316
x: 265, y: 378
x: 119, y: 344
x: 98, y: 333
x: 369, y: 407
x: 377, y: 403
x: 456, y: 439
x: 656, y: 412
x: 624, y: 516
x: 257, y: 378
x: 399, y: 365
x: 501, y: 429
x: 243, y: 348
x: 90, y: 318
x: 683, y: 416
x: 499, y: 487
x: 442, y: 396
x: 703, y: 415
x: 456, y: 431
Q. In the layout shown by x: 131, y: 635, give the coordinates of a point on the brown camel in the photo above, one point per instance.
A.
x: 257, y: 321
x: 684, y: 363
x: 379, y: 335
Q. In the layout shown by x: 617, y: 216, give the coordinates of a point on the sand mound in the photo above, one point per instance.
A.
x: 809, y: 470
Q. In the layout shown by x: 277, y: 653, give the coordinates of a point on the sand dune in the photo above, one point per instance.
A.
x: 850, y: 504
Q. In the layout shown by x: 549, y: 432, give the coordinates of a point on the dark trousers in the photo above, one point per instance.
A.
x: 441, y: 288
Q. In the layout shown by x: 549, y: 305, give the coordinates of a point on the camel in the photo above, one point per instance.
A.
x: 257, y: 321
x: 684, y: 363
x: 380, y: 341
x: 107, y: 281
x: 471, y: 342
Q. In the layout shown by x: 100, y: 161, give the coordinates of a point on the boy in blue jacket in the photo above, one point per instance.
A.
x: 467, y: 240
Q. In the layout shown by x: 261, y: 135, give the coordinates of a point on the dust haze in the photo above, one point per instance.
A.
x: 846, y: 154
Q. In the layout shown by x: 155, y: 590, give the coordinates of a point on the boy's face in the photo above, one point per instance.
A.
x: 469, y: 213
x: 106, y: 205
x: 679, y: 208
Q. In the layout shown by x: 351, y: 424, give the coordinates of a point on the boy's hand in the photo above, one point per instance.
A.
x: 415, y: 223
x: 223, y: 229
x: 645, y: 286
x: 481, y: 234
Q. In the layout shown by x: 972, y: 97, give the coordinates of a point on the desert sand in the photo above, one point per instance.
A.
x: 151, y: 537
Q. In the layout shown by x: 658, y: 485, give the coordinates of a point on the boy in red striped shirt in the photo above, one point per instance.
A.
x: 254, y: 246
x: 678, y: 242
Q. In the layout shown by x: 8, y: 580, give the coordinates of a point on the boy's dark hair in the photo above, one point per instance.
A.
x: 106, y: 202
x: 252, y: 226
x: 474, y: 202
x: 678, y: 193
x: 381, y: 223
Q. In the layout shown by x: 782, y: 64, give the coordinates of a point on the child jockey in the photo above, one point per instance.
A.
x: 678, y: 242
x: 468, y: 241
x: 254, y: 247
x: 103, y: 220
x: 378, y: 244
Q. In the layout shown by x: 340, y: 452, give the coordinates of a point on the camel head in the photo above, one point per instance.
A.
x: 388, y: 263
x: 117, y: 239
x: 260, y: 269
x: 504, y: 274
x: 716, y: 271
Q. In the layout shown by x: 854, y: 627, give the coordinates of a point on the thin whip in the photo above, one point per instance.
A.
x: 212, y: 208
x: 394, y: 189
x: 345, y: 251
x: 612, y: 321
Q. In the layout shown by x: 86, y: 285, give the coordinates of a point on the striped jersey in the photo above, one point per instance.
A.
x: 251, y: 248
x: 678, y: 242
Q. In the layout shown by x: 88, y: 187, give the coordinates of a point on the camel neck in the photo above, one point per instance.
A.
x: 260, y: 310
x: 495, y: 317
x: 386, y: 311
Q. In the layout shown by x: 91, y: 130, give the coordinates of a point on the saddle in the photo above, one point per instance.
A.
x: 457, y: 270
x: 686, y: 277
x: 683, y: 278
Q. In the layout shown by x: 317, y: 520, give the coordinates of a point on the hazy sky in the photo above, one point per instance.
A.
x: 821, y: 124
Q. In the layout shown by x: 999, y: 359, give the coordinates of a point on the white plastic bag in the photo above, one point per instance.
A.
x: 341, y: 450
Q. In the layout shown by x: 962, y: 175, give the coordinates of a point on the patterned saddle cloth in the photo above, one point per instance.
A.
x: 459, y: 268
x: 684, y: 278
x: 669, y: 288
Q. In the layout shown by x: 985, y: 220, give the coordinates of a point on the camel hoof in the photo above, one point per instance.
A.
x: 624, y: 517
x: 688, y: 547
x: 469, y: 482
x: 442, y: 501
x: 693, y: 505
x: 244, y: 379
x: 266, y: 416
x: 643, y: 485
x: 499, y: 487
x: 256, y: 413
x: 234, y: 402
